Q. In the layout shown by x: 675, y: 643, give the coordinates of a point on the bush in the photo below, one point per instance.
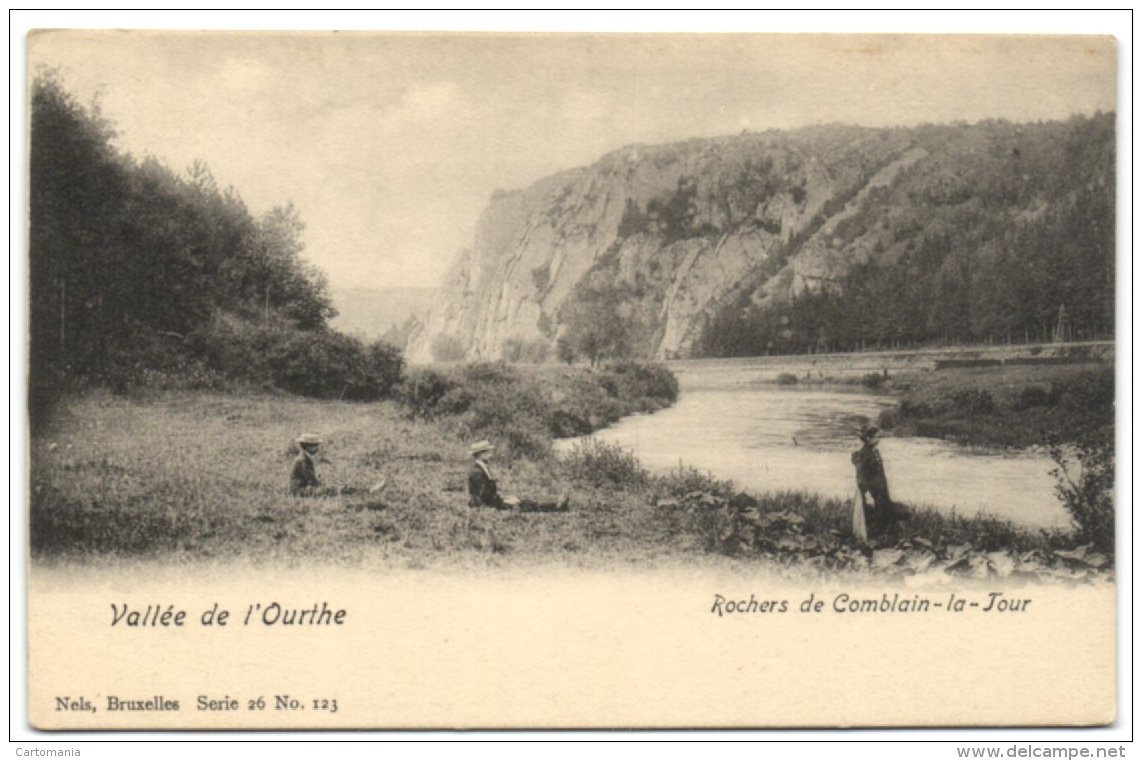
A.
x: 1089, y: 392
x: 972, y: 400
x: 1031, y: 396
x: 525, y: 409
x: 565, y: 350
x: 685, y: 480
x: 429, y: 393
x: 888, y: 417
x: 911, y: 409
x: 601, y: 464
x: 490, y: 373
x: 384, y: 369
x: 235, y: 348
x: 641, y: 380
x: 1084, y: 483
x: 873, y: 380
x: 693, y: 502
x: 786, y: 379
x: 332, y: 365
x: 564, y: 424
x: 319, y: 363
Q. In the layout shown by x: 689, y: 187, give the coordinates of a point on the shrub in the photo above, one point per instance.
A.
x: 601, y: 464
x: 786, y: 379
x: 1089, y: 392
x: 1031, y: 396
x: 311, y: 368
x: 521, y: 439
x: 384, y: 368
x: 642, y: 380
x: 972, y: 400
x: 873, y: 380
x: 563, y: 424
x: 236, y: 349
x: 497, y: 407
x: 1084, y: 483
x: 489, y: 400
x: 713, y: 521
x: 693, y: 502
x: 332, y: 365
x: 684, y: 480
x: 888, y: 418
x: 525, y: 409
x: 319, y: 363
x: 423, y: 394
x: 493, y: 373
x: 913, y: 409
x: 565, y: 350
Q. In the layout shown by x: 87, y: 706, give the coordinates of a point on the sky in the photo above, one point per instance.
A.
x: 391, y: 144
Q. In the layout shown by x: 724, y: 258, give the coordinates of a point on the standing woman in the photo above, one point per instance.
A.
x: 880, y: 513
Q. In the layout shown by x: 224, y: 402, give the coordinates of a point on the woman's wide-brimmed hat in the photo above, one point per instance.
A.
x: 483, y: 445
x: 309, y: 438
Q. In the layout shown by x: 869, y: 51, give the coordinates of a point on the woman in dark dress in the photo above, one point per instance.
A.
x: 880, y: 512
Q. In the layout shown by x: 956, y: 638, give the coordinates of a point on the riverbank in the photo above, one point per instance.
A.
x: 879, y: 369
x: 1009, y: 405
x: 198, y: 477
x: 1018, y: 396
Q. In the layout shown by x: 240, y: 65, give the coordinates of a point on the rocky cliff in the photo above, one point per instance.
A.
x: 687, y: 230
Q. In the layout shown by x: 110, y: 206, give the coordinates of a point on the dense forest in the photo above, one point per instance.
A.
x: 995, y: 232
x: 140, y: 275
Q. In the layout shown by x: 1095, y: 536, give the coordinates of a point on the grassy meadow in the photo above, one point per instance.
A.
x: 185, y: 476
x: 196, y: 476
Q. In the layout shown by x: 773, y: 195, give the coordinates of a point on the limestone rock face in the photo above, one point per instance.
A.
x: 681, y: 228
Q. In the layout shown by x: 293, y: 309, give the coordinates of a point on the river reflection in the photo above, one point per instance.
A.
x: 766, y: 438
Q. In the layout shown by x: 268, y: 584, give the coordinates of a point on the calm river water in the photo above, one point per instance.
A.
x: 767, y: 437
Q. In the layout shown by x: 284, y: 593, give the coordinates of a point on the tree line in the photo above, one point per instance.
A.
x: 139, y: 273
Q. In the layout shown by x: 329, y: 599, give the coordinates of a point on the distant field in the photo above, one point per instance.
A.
x: 845, y: 367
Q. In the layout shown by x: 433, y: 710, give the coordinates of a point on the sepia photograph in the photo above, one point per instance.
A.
x: 558, y: 380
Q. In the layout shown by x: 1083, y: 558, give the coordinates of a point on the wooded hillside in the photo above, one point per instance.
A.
x: 140, y: 274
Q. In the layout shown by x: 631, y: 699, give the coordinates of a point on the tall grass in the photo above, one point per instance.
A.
x: 600, y: 464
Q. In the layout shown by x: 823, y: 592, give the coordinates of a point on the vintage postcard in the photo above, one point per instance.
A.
x: 547, y: 381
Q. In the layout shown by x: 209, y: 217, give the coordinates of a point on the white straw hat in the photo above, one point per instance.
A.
x: 483, y: 445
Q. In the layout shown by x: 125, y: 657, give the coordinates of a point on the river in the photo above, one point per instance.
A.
x: 734, y: 422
